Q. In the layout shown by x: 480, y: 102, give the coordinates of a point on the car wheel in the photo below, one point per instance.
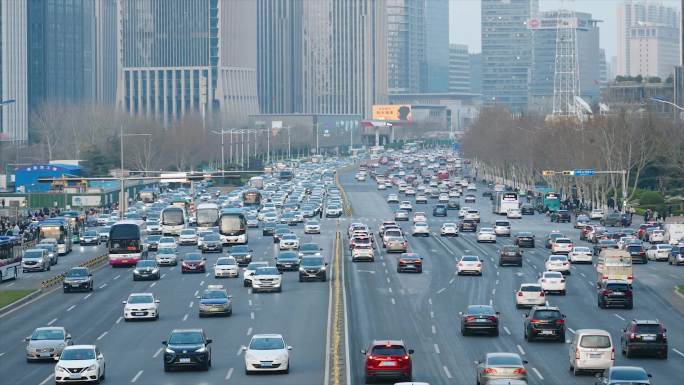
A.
x: 104, y: 369
x: 663, y: 355
x: 630, y: 306
x: 464, y: 332
x: 562, y: 292
x: 495, y: 333
x: 324, y: 279
x: 167, y: 368
x: 287, y: 369
x: 91, y: 286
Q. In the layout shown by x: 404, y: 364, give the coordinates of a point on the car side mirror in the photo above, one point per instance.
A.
x: 164, y: 343
x: 497, y: 313
x: 27, y: 339
x: 460, y: 313
x: 363, y: 351
x: 243, y: 347
x: 410, y: 351
x: 525, y: 362
x: 90, y: 275
x: 649, y: 375
x: 56, y: 358
x: 209, y: 341
x: 123, y: 302
x: 326, y: 263
x: 289, y: 347
x: 181, y: 259
x: 100, y: 356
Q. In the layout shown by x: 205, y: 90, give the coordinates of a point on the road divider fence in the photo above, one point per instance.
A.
x: 93, y: 262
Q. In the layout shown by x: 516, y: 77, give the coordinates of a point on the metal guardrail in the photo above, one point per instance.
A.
x: 345, y: 201
x: 59, y: 278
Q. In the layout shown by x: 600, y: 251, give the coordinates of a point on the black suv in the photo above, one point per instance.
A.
x: 287, y: 260
x: 268, y: 229
x: 544, y: 322
x: 78, y: 278
x: 560, y: 216
x: 313, y: 267
x: 637, y: 252
x: 644, y: 336
x: 187, y: 348
x: 440, y: 210
x: 524, y: 239
x: 526, y: 209
x: 615, y: 293
x: 613, y: 219
x: 467, y: 225
x: 510, y: 255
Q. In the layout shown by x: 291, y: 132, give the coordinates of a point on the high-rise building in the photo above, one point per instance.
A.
x: 653, y: 50
x: 603, y: 64
x: 182, y: 56
x: 61, y: 62
x: 476, y: 73
x: 436, y: 74
x: 459, y: 69
x: 13, y: 71
x: 105, y: 48
x: 405, y: 45
x: 638, y: 14
x: 506, y: 51
x: 331, y: 53
x: 544, y: 29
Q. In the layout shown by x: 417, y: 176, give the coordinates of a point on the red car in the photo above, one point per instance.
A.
x: 193, y: 263
x: 388, y: 359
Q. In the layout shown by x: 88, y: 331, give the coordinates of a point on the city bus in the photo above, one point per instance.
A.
x: 173, y: 220
x: 505, y: 200
x: 58, y: 229
x: 207, y: 216
x: 251, y: 199
x: 9, y: 262
x: 551, y: 201
x: 124, y: 247
x: 233, y: 227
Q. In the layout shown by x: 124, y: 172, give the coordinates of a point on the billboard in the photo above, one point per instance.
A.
x: 392, y: 112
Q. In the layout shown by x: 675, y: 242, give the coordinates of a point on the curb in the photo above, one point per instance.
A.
x: 677, y: 293
x: 20, y: 301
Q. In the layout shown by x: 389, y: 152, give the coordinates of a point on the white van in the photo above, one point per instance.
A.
x: 591, y: 350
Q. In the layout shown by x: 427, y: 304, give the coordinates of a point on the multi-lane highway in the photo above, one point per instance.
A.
x: 133, y: 350
x: 422, y: 309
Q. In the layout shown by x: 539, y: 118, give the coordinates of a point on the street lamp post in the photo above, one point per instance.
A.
x: 663, y: 101
x: 223, y: 132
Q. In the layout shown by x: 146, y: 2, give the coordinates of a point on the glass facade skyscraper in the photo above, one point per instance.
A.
x: 436, y: 70
x: 13, y: 70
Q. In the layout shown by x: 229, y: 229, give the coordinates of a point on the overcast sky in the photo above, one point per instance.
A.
x: 464, y: 20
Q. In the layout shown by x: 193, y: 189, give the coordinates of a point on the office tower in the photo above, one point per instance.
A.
x: 436, y: 71
x: 660, y: 20
x: 13, y: 71
x: 604, y: 68
x: 476, y: 73
x: 459, y: 68
x: 506, y: 52
x: 653, y: 50
x: 182, y: 56
x: 105, y: 48
x: 405, y: 45
x: 61, y: 65
x: 332, y: 52
x: 588, y: 55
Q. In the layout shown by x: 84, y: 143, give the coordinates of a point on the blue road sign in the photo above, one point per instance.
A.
x: 455, y: 146
x: 584, y: 172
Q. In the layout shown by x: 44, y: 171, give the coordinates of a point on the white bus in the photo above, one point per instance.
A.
x: 233, y: 227
x: 59, y: 229
x: 173, y: 220
x: 503, y: 201
x: 207, y: 216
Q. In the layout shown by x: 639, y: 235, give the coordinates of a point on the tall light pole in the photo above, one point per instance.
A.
x: 223, y: 132
x: 658, y: 100
x: 122, y: 201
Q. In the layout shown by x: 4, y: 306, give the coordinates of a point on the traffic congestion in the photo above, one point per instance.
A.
x: 447, y: 280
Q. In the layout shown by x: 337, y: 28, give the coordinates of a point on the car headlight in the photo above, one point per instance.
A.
x: 203, y: 349
x: 301, y: 269
x: 62, y: 369
x: 136, y: 271
x: 155, y: 271
x: 169, y: 351
x: 323, y: 268
x: 92, y: 367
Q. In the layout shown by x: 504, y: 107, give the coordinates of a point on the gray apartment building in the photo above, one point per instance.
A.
x: 459, y: 68
x: 13, y: 71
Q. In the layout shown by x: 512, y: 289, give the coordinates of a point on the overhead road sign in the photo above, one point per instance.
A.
x: 584, y: 172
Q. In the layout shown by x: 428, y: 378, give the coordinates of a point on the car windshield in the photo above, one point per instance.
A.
x: 239, y: 249
x: 33, y: 254
x: 214, y: 294
x: 225, y: 261
x: 153, y: 238
x: 391, y: 350
x: 617, y: 286
x: 90, y: 233
x: 167, y: 240
x: 77, y: 273
x: 531, y: 288
x: 193, y: 257
x: 50, y: 334
x: 140, y: 299
x: 582, y: 249
x: 563, y: 240
x: 595, y: 342
x: 648, y: 328
x: 186, y: 338
x: 167, y: 250
x: 187, y: 232
x: 77, y: 354
x: 553, y: 275
x: 485, y: 310
x: 288, y: 255
x: 267, y: 343
x: 547, y: 314
x: 149, y: 263
x: 266, y: 271
x: 312, y: 262
x: 469, y: 258
x: 255, y: 265
x: 504, y: 361
x: 630, y: 376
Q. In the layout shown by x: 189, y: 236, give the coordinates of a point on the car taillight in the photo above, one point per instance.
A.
x: 577, y: 354
x: 479, y: 265
x: 520, y: 371
x: 562, y: 280
x: 520, y: 294
x: 489, y: 371
x: 371, y: 357
x: 560, y: 321
x: 632, y: 336
x: 541, y: 293
x: 460, y: 263
x: 607, y: 292
x: 612, y: 354
x: 406, y: 357
x: 469, y: 318
x: 606, y: 277
x: 535, y: 321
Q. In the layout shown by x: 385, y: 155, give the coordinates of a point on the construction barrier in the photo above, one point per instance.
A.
x: 100, y: 259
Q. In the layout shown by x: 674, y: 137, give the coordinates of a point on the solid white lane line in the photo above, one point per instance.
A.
x: 185, y: 317
x: 152, y: 284
x: 434, y: 329
x: 507, y: 331
x: 393, y: 301
x: 118, y: 320
x: 538, y: 374
x: 191, y: 303
x: 619, y: 316
x: 229, y: 374
x: 103, y: 286
x: 137, y: 376
x: 446, y: 371
x: 251, y: 315
x: 11, y: 284
x: 71, y: 307
x: 102, y: 336
x: 156, y: 354
x: 678, y: 352
x: 436, y: 348
x: 520, y: 349
x: 440, y: 291
x: 202, y: 283
x: 249, y: 331
x: 117, y: 277
x: 51, y: 322
x: 87, y: 296
x: 45, y: 381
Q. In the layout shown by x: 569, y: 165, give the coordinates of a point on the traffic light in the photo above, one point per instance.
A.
x: 568, y: 173
x: 548, y: 173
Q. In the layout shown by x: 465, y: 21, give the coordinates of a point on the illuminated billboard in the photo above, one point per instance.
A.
x: 392, y: 112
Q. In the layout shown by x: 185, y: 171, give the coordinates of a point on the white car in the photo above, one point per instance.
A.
x: 530, y: 294
x: 473, y: 214
x: 657, y: 236
x: 502, y: 228
x: 580, y: 254
x: 454, y: 194
x: 392, y: 198
x: 419, y: 216
x: 596, y: 214
x: 188, y: 237
x: 449, y: 229
x: 267, y: 353
x: 659, y: 252
x: 167, y: 242
x: 558, y: 263
x: 226, y: 267
x: 248, y: 272
x: 267, y: 279
x: 463, y: 211
x: 289, y: 242
x: 80, y: 363
x: 469, y: 264
x: 141, y: 306
x: 471, y: 187
x: 552, y: 281
x: 410, y: 192
x: 561, y: 246
x: 312, y: 227
x: 405, y: 205
x: 420, y: 228
x: 513, y: 214
x: 381, y: 186
x: 486, y: 234
x: 421, y: 199
x: 443, y: 198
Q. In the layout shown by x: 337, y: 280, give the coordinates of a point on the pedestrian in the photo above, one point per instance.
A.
x: 655, y: 216
x: 320, y: 214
